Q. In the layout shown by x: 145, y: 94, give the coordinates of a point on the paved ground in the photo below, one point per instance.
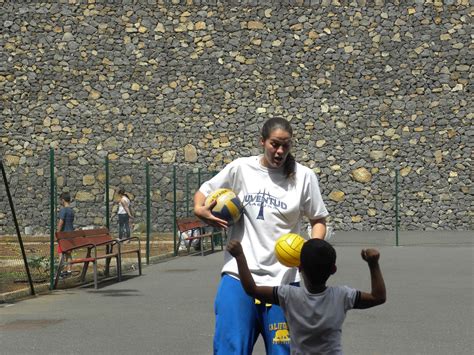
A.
x: 169, y: 309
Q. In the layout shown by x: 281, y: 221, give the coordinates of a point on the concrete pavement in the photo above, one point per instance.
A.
x: 169, y: 310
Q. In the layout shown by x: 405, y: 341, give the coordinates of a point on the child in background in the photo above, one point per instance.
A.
x: 124, y: 214
x: 315, y: 312
x: 65, y: 224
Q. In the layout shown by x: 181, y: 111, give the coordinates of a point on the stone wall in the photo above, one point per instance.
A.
x: 370, y: 87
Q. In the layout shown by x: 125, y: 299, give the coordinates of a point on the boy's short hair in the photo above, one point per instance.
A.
x: 318, y: 258
x: 66, y: 196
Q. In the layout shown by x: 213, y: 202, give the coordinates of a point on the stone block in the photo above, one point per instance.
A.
x: 362, y: 175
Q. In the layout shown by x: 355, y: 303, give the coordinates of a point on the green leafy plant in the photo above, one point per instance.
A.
x: 38, y: 263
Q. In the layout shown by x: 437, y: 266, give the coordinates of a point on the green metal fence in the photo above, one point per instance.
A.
x: 159, y: 192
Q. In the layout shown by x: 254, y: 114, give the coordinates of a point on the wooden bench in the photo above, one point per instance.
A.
x: 94, y: 245
x: 192, y: 228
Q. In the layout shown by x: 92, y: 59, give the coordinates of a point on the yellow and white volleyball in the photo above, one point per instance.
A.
x: 228, y: 206
x: 288, y: 249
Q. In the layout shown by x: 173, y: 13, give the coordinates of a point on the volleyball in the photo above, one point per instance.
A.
x: 288, y: 249
x: 228, y: 207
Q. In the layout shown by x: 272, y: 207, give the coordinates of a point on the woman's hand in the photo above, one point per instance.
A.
x: 204, y: 213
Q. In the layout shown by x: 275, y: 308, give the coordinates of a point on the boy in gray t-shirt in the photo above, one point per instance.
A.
x: 315, y: 312
x: 65, y: 224
x: 66, y: 215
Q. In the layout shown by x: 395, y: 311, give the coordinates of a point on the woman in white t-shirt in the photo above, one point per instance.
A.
x: 277, y: 193
x: 124, y: 214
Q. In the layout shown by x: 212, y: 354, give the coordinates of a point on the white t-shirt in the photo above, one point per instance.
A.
x: 121, y: 209
x: 274, y: 205
x: 315, y: 320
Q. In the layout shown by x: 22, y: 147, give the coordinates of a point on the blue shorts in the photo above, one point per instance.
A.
x: 239, y: 321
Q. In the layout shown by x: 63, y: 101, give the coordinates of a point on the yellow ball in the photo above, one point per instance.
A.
x: 228, y: 207
x: 288, y: 249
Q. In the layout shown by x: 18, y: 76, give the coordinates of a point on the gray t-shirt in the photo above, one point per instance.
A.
x: 67, y: 215
x: 315, y: 320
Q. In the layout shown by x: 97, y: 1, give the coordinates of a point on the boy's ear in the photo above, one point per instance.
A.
x: 333, y: 269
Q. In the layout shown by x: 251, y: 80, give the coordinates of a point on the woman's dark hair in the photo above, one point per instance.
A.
x: 122, y: 192
x: 318, y: 258
x: 280, y: 123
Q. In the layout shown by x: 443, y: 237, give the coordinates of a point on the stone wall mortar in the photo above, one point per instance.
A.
x: 368, y: 88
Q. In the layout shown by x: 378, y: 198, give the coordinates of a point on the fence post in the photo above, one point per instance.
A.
x: 187, y: 193
x: 175, y: 231
x: 397, y: 219
x: 17, y: 227
x: 148, y: 211
x: 55, y: 205
x: 107, y: 197
x: 52, y: 212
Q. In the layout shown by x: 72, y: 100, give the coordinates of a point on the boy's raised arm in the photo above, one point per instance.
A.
x: 377, y: 295
x: 262, y: 293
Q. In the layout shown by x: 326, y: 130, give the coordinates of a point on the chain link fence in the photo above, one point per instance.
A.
x: 159, y: 194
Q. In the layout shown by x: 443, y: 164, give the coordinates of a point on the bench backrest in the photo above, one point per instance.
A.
x: 82, y: 237
x: 99, y: 235
x: 189, y: 223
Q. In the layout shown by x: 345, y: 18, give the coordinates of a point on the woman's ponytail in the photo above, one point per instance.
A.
x: 289, y: 166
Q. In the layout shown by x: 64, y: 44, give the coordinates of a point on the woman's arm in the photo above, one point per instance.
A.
x: 204, y: 212
x: 318, y: 228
